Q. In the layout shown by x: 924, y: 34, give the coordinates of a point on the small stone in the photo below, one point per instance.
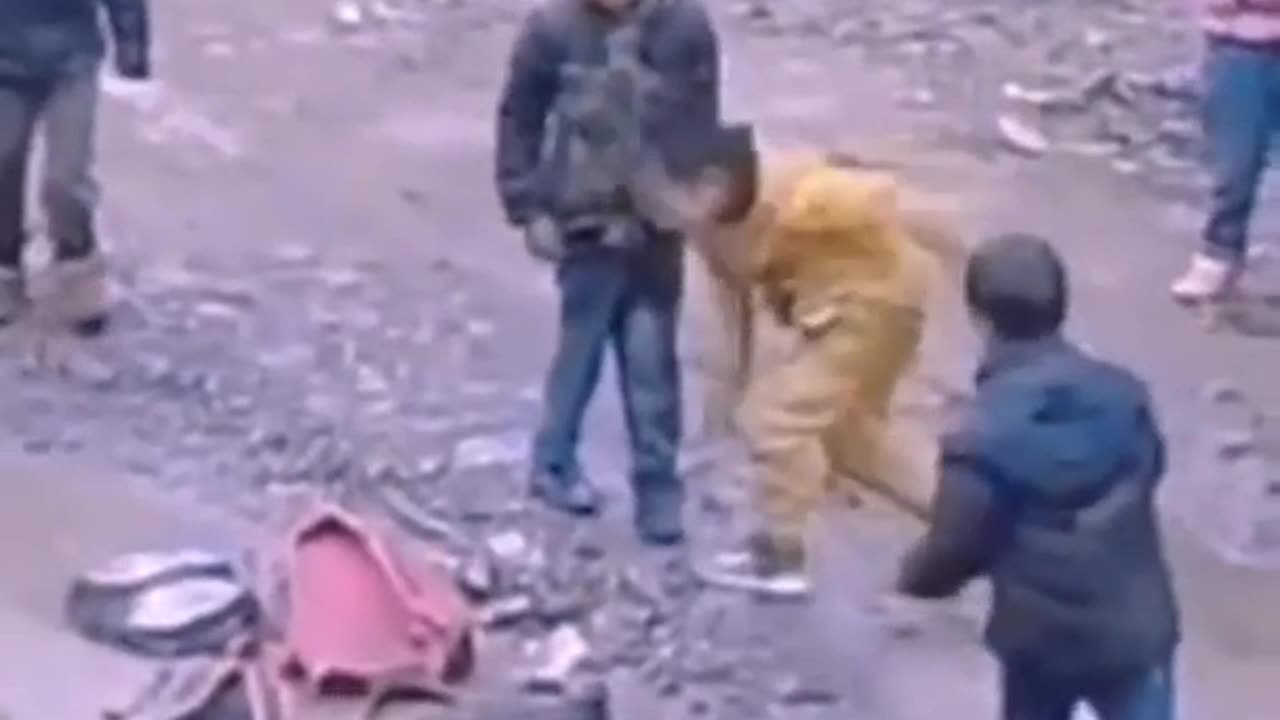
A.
x: 560, y: 654
x: 753, y: 10
x: 347, y: 15
x: 478, y: 577
x: 510, y: 547
x: 1021, y: 136
x: 798, y: 693
x: 1234, y: 445
x: 1036, y: 97
x: 1223, y: 392
x: 507, y: 611
x: 488, y: 450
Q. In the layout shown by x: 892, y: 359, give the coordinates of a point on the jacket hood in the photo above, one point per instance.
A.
x: 1060, y: 424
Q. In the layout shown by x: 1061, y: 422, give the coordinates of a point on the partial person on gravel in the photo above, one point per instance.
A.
x: 1241, y: 117
x: 1048, y: 486
x: 598, y: 90
x: 843, y: 259
x: 50, y: 53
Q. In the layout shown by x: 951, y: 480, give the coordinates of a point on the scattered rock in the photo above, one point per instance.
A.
x: 478, y: 577
x: 1021, y: 136
x: 505, y: 611
x: 796, y: 692
x: 560, y: 654
x: 346, y: 15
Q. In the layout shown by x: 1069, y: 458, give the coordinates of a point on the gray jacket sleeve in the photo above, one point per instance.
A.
x: 688, y: 99
x: 130, y: 25
x: 527, y: 95
x: 967, y: 528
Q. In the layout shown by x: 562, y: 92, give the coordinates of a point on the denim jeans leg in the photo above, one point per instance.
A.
x: 18, y: 106
x: 1146, y: 696
x: 591, y: 285
x: 649, y: 370
x: 69, y: 191
x: 1030, y: 695
x: 1240, y: 112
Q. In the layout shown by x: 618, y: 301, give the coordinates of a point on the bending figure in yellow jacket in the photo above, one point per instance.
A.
x: 829, y: 251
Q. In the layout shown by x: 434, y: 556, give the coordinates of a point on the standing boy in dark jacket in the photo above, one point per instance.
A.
x: 1048, y: 487
x: 50, y: 51
x: 598, y: 91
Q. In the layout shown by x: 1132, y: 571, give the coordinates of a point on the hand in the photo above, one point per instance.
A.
x: 132, y: 62
x: 544, y: 240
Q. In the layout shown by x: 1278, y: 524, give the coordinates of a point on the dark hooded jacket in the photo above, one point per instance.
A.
x: 38, y: 38
x: 1048, y: 488
x: 557, y: 78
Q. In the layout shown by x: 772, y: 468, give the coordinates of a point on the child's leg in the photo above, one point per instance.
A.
x: 868, y: 452
x: 863, y: 446
x: 789, y: 413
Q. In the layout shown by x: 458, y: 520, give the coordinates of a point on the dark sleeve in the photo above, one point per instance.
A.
x: 527, y: 94
x: 1153, y: 455
x: 130, y: 24
x: 967, y: 528
x: 689, y: 74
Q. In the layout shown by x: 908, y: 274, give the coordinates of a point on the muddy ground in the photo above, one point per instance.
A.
x: 317, y: 294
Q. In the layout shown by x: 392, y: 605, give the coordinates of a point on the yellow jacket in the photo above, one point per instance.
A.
x: 822, y: 236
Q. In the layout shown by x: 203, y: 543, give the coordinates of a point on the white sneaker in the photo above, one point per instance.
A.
x: 1206, y: 279
x: 743, y: 572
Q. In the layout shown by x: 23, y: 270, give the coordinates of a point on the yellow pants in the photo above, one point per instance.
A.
x: 818, y: 424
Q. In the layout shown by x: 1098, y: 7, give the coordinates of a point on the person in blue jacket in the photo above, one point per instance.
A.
x: 596, y: 91
x: 1048, y: 487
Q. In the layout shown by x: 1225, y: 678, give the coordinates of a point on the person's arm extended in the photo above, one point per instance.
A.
x: 525, y: 102
x: 131, y: 37
x: 966, y: 532
x: 733, y: 308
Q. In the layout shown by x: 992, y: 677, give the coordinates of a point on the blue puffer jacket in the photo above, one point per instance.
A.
x: 561, y: 39
x: 39, y: 37
x: 1049, y: 489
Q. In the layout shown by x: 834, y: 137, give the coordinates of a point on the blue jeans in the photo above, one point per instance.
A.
x: 1241, y: 113
x: 1146, y: 695
x: 630, y: 301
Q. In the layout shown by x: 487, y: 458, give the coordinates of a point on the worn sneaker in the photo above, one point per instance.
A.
x: 568, y: 492
x: 763, y: 568
x: 1206, y: 279
x: 13, y: 295
x: 80, y: 294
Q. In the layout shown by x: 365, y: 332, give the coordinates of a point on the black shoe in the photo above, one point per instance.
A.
x: 659, y: 515
x: 567, y: 492
x: 13, y: 295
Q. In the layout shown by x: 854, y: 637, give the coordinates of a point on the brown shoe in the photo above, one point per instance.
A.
x: 13, y: 295
x: 80, y: 294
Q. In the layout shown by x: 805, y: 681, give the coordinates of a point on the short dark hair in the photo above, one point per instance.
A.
x: 732, y: 150
x: 1018, y: 283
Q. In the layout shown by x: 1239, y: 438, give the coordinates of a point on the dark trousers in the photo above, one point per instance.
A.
x: 1241, y: 115
x: 628, y: 300
x: 1144, y: 695
x: 63, y: 110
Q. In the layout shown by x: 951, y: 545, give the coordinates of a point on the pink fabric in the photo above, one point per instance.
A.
x: 1247, y: 20
x: 356, y: 611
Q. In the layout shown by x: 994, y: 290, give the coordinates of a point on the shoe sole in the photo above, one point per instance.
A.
x: 546, y: 499
x: 755, y: 586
